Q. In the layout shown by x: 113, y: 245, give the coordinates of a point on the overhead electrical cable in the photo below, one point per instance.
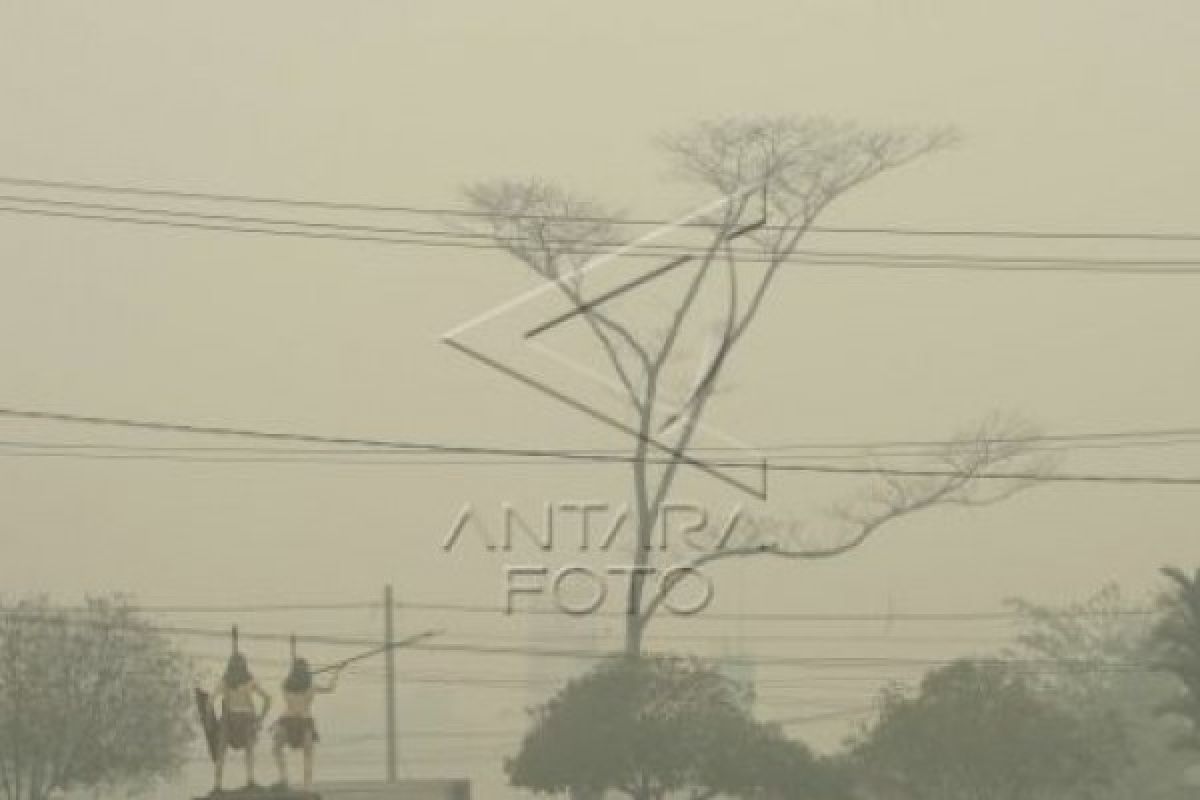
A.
x: 886, y: 230
x: 18, y: 616
x: 479, y: 240
x: 758, y: 465
x: 1044, y: 265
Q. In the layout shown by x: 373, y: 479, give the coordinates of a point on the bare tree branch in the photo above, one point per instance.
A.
x: 555, y: 235
x: 997, y: 443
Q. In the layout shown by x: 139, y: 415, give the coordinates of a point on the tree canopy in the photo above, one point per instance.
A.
x: 87, y: 699
x: 1094, y: 660
x: 982, y: 730
x: 1178, y: 640
x: 657, y: 725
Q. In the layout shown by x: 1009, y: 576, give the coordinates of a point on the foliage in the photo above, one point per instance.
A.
x: 1094, y: 661
x: 87, y: 698
x: 657, y: 725
x: 982, y: 730
x: 1178, y: 640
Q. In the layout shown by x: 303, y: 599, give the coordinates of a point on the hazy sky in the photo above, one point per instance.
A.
x: 1077, y: 114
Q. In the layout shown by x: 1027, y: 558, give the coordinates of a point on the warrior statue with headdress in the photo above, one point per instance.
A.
x: 295, y: 727
x: 239, y: 720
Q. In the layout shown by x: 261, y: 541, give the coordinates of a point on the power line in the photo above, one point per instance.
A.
x: 250, y: 608
x: 20, y: 616
x: 525, y: 682
x: 417, y: 606
x: 253, y: 456
x: 180, y: 194
x: 840, y: 712
x: 1157, y: 480
x: 792, y: 616
x: 832, y: 450
x: 212, y: 226
x: 742, y: 638
x: 217, y: 430
x: 976, y: 264
x: 1139, y: 435
x: 823, y: 469
x: 475, y: 240
x: 432, y: 447
x: 1054, y: 477
x: 842, y: 662
x: 1001, y: 233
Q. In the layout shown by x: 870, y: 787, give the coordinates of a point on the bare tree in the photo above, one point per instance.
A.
x: 778, y: 175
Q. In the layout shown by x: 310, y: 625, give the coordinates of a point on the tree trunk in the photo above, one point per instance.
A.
x: 635, y: 623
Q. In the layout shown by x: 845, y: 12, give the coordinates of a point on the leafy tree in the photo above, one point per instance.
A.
x: 1095, y: 658
x: 1178, y: 640
x: 87, y: 699
x: 657, y: 725
x: 981, y: 730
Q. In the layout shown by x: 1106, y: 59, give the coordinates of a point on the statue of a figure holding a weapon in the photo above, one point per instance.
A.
x: 239, y: 722
x: 295, y: 727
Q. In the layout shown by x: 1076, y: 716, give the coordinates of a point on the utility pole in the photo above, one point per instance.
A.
x: 389, y: 656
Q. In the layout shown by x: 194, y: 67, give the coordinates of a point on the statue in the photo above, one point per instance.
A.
x: 239, y: 721
x: 295, y: 727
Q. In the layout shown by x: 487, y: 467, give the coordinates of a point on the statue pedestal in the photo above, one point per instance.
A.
x: 262, y: 793
x: 459, y: 789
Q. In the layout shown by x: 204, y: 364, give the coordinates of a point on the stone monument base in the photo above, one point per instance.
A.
x: 261, y: 793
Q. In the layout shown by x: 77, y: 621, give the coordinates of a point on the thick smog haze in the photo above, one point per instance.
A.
x: 1073, y: 116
